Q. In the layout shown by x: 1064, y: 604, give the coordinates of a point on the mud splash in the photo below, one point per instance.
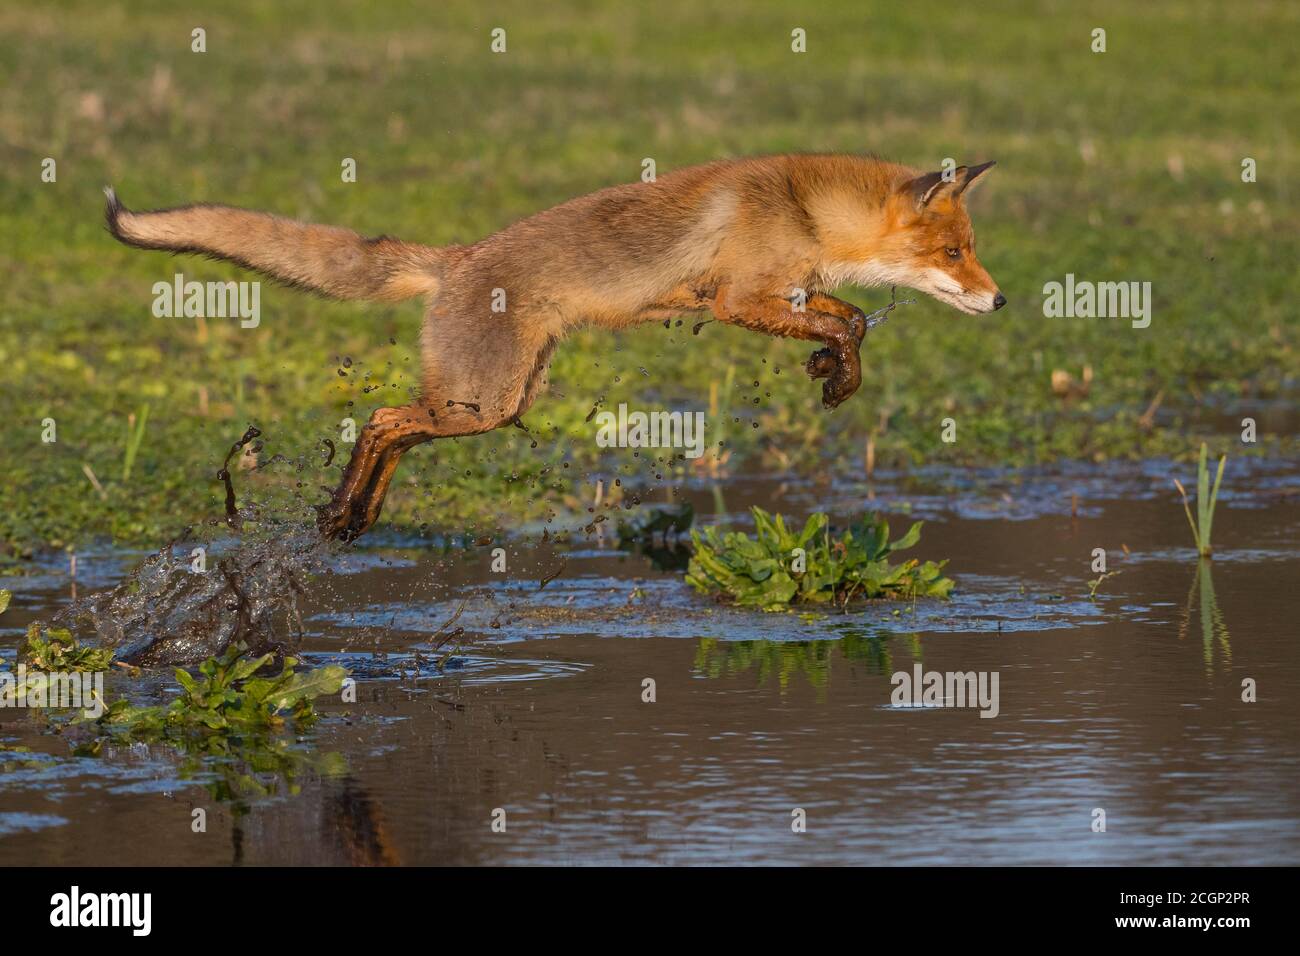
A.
x: 167, y: 613
x: 177, y: 608
x: 233, y: 517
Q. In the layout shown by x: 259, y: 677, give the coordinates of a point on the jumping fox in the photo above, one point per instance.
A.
x: 758, y: 242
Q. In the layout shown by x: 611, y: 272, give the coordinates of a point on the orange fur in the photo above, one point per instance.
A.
x: 747, y: 239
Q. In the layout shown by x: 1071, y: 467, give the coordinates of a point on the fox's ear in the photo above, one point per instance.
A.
x: 931, y: 187
x: 973, y: 173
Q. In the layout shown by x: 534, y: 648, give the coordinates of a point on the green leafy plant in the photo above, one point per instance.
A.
x: 779, y: 567
x: 225, y: 723
x: 50, y: 651
x: 4, y: 599
x: 1205, y: 501
x: 56, y: 650
x: 226, y: 697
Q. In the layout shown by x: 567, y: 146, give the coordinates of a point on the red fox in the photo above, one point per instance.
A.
x: 758, y: 242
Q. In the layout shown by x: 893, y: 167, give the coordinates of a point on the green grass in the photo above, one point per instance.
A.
x: 1122, y: 165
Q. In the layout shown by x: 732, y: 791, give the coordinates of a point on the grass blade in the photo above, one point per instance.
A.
x: 1214, y: 499
x: 134, y: 439
x: 1202, y: 501
x: 1187, y: 510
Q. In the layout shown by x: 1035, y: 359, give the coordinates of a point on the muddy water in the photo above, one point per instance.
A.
x: 1131, y: 703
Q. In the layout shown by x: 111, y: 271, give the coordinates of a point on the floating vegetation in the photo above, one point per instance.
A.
x: 225, y: 698
x: 56, y: 650
x: 1096, y: 582
x: 780, y: 567
x: 227, y: 722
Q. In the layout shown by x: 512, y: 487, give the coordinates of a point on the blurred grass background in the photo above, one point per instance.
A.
x: 1123, y: 165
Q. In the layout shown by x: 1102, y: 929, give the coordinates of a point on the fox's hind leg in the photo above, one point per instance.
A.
x: 387, y: 431
x: 472, y: 385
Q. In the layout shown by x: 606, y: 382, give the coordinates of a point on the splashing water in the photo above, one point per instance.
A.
x: 165, y: 613
x: 174, y: 611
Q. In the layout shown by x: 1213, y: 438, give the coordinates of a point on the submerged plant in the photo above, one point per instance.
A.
x: 780, y: 567
x: 1205, y: 501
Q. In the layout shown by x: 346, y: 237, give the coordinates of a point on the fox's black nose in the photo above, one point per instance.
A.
x: 999, y: 301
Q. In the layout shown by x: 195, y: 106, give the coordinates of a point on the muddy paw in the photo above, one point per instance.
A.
x: 843, y: 382
x: 821, y: 364
x: 335, y: 523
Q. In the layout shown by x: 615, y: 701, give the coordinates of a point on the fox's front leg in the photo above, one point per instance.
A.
x: 838, y: 363
x: 823, y: 362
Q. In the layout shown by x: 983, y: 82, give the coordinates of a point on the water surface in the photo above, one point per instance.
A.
x: 1131, y: 702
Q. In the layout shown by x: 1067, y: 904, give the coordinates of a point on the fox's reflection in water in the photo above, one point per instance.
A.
x: 348, y: 824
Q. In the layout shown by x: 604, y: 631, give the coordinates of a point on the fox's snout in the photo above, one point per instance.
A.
x: 997, y: 301
x: 974, y: 295
x: 979, y: 304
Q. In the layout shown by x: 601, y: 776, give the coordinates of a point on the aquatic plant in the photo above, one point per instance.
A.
x: 55, y: 650
x: 227, y: 697
x: 225, y: 722
x: 1095, y: 583
x: 1205, y: 501
x: 779, y: 567
x: 48, y: 651
x: 4, y: 599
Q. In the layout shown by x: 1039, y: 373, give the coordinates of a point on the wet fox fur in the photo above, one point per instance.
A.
x: 758, y: 242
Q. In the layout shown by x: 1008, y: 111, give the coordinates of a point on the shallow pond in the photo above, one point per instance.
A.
x: 1130, y: 702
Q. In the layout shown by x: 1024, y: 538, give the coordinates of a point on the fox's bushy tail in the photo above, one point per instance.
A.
x: 325, y: 259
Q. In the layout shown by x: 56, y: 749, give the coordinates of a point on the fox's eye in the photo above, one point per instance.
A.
x: 953, y: 252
